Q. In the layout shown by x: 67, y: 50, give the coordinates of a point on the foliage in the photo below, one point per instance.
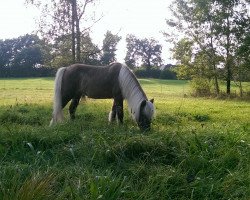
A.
x: 145, y: 51
x: 183, y: 52
x: 244, y: 50
x: 109, y: 48
x: 169, y: 74
x: 30, y: 56
x: 200, y: 87
x: 243, y: 61
x: 61, y: 54
x: 94, y: 55
x: 24, y: 56
x: 182, y: 72
x: 63, y: 18
x: 195, y: 67
x: 131, y: 58
x: 216, y: 28
x: 198, y: 148
x: 143, y: 72
x: 91, y: 52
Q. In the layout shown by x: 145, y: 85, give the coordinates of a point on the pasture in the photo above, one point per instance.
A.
x: 198, y: 148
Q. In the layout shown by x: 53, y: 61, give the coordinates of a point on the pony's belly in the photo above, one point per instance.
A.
x: 101, y: 95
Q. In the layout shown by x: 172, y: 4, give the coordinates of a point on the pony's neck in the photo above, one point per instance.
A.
x: 131, y: 91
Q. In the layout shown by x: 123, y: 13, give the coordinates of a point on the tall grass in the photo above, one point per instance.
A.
x: 198, y: 148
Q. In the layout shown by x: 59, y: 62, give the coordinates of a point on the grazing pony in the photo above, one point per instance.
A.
x: 102, y: 82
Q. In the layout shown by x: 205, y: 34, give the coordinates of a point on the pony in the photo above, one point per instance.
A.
x: 115, y: 81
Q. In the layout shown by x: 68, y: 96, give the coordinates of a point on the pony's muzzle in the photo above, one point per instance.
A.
x: 144, y: 127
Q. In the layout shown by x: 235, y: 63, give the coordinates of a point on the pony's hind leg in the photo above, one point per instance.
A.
x: 72, y: 108
x: 58, y: 113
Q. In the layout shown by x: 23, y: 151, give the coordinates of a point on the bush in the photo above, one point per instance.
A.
x: 200, y: 87
x: 147, y: 72
x: 168, y: 74
x: 18, y: 72
x: 154, y: 72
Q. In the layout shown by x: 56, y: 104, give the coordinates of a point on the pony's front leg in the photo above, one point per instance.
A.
x: 73, y: 106
x: 112, y: 113
x: 119, y: 110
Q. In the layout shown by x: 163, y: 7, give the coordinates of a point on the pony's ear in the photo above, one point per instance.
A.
x: 152, y: 100
x: 143, y: 103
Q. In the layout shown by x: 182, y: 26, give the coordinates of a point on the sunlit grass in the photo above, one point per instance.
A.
x: 26, y: 90
x: 198, y: 148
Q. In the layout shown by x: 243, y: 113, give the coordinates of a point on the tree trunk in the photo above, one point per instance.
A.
x: 240, y: 80
x: 73, y: 31
x: 216, y: 84
x: 228, y: 59
x: 78, y: 41
x: 228, y: 70
x: 148, y: 63
x: 241, y: 90
x: 228, y: 78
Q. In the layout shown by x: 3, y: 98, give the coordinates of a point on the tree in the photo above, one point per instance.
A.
x: 91, y: 53
x: 132, y: 56
x: 194, y: 65
x: 6, y: 53
x: 145, y: 51
x: 244, y: 50
x: 215, y: 26
x: 243, y: 62
x: 61, y: 51
x: 182, y: 52
x: 150, y: 52
x: 19, y: 56
x: 63, y: 17
x: 109, y: 48
x: 230, y: 26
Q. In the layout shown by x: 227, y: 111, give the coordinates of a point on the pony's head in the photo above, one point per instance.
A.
x: 147, y: 111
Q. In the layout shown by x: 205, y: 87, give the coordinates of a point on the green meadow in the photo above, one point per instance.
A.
x: 198, y: 148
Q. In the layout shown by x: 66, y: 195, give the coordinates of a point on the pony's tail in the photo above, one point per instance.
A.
x: 57, y: 115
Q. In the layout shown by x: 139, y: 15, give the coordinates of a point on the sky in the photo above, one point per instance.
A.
x: 143, y: 18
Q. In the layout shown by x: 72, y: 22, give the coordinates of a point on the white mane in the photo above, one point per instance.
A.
x: 131, y: 91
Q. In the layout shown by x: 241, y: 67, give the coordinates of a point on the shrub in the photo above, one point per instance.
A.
x: 147, y: 72
x: 168, y: 74
x: 200, y: 87
x: 154, y: 72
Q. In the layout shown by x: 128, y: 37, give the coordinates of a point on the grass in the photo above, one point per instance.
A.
x: 198, y: 148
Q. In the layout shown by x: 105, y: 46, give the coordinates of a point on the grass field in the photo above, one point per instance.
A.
x: 198, y: 148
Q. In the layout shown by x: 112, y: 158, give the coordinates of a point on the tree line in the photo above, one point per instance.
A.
x: 211, y: 43
x: 64, y: 39
x: 68, y: 23
x: 214, y: 43
x: 29, y: 55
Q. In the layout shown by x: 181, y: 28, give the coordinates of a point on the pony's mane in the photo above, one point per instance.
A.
x: 131, y: 91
